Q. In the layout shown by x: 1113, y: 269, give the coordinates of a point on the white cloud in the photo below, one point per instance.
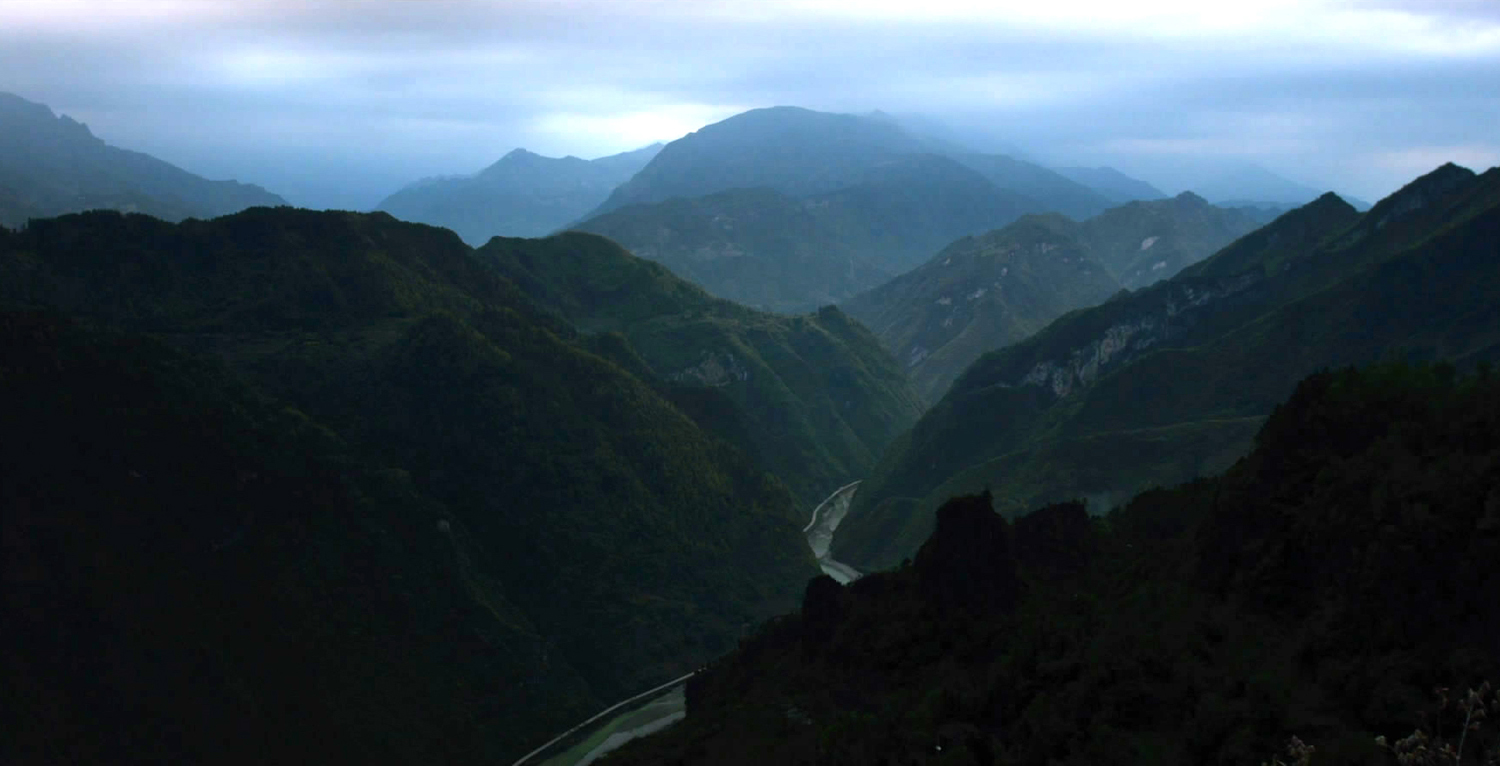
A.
x: 617, y: 132
x: 448, y: 85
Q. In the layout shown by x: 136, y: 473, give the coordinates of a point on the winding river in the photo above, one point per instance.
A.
x: 663, y: 706
x: 826, y: 519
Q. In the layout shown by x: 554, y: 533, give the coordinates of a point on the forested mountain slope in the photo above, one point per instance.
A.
x: 1172, y: 381
x: 1321, y: 589
x: 816, y: 398
x: 606, y: 538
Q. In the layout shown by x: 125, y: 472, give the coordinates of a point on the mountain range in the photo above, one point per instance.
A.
x: 1112, y: 184
x: 1171, y: 381
x: 787, y: 209
x: 983, y: 293
x: 288, y: 485
x: 51, y: 165
x: 521, y: 195
x: 767, y: 249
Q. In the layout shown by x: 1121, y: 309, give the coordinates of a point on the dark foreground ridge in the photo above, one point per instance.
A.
x: 293, y: 486
x: 1320, y: 589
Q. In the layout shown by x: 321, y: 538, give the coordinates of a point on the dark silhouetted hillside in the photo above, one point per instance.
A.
x: 585, y: 537
x: 1322, y: 588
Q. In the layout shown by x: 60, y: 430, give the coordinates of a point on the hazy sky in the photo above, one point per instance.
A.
x: 342, y: 102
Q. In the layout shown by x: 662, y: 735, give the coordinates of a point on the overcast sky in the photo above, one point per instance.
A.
x: 339, y: 103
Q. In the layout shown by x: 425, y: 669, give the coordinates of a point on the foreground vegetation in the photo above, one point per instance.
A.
x: 1321, y: 588
x: 306, y: 485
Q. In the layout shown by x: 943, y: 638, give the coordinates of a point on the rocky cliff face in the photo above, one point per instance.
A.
x: 1169, y: 316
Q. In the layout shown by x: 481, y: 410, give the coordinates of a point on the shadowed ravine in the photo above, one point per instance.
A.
x: 661, y: 707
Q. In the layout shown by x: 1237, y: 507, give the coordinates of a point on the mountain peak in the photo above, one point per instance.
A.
x: 59, y: 166
x: 15, y: 109
x: 1189, y: 198
x: 11, y: 103
x: 522, y: 194
x: 1419, y: 193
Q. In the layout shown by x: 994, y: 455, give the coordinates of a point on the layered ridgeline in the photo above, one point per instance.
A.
x: 814, y: 398
x: 1322, y: 589
x: 757, y: 247
x: 983, y: 293
x: 1112, y: 184
x: 795, y: 151
x: 430, y: 520
x: 800, y: 152
x: 51, y: 165
x: 1142, y: 243
x: 1056, y: 192
x: 782, y: 253
x: 1171, y: 381
x: 884, y: 198
x: 521, y: 195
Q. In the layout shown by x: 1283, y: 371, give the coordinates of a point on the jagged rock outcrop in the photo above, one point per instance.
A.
x: 969, y: 562
x: 1056, y: 541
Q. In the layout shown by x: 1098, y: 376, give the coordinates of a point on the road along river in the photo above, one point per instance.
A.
x: 665, y: 705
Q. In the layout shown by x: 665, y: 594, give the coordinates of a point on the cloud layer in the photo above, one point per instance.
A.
x: 339, y: 103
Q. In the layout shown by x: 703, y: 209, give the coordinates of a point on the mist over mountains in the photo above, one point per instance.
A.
x: 521, y: 195
x: 1128, y: 476
x: 50, y: 165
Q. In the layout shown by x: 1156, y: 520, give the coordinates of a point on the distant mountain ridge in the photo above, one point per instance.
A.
x: 51, y: 165
x: 983, y: 293
x: 789, y: 149
x: 786, y: 208
x: 522, y: 194
x: 1248, y: 181
x: 1144, y: 242
x: 1171, y: 381
x: 1056, y: 192
x: 767, y: 249
x: 1113, y: 184
x: 800, y: 153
